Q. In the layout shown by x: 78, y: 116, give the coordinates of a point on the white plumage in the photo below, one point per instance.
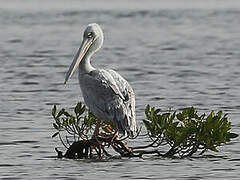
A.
x: 106, y: 93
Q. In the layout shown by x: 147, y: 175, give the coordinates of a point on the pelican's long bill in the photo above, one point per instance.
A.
x: 87, y: 42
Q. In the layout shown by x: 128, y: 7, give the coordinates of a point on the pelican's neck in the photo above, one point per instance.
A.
x: 85, y: 65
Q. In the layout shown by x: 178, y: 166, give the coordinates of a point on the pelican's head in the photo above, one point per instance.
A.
x: 92, y: 42
x: 93, y: 33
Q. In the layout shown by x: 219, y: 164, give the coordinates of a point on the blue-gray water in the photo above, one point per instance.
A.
x: 174, y: 53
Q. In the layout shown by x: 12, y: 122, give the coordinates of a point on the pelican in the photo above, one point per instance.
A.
x: 106, y: 93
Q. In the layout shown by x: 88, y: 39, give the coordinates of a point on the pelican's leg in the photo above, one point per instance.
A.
x: 115, y: 136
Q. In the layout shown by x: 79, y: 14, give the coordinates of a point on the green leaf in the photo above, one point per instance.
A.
x: 219, y: 114
x: 165, y: 116
x: 79, y: 120
x: 191, y: 112
x: 147, y: 109
x: 172, y: 116
x: 55, y: 134
x: 157, y: 111
x: 66, y: 114
x: 54, y: 109
x: 210, y: 117
x: 147, y: 124
x: 232, y: 135
x: 79, y: 109
x: 180, y: 116
x: 65, y: 122
x: 82, y: 110
x: 60, y: 112
x: 90, y: 119
x: 57, y: 120
x: 55, y: 126
x: 72, y: 120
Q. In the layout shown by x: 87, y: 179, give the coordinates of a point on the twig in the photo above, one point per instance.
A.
x: 138, y: 132
x: 147, y: 146
x: 67, y: 140
x: 62, y: 141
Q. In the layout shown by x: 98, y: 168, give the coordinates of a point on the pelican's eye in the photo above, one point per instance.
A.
x: 90, y: 35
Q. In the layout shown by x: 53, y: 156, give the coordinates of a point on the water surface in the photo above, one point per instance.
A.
x: 175, y: 54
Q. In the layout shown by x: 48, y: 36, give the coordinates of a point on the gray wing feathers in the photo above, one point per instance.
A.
x: 129, y: 100
x: 110, y: 97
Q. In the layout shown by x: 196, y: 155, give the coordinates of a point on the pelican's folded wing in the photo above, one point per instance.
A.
x: 110, y: 97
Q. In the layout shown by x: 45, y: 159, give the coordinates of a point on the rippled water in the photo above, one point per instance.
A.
x: 175, y: 54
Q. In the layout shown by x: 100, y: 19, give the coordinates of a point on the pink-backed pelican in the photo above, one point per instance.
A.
x: 106, y: 93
